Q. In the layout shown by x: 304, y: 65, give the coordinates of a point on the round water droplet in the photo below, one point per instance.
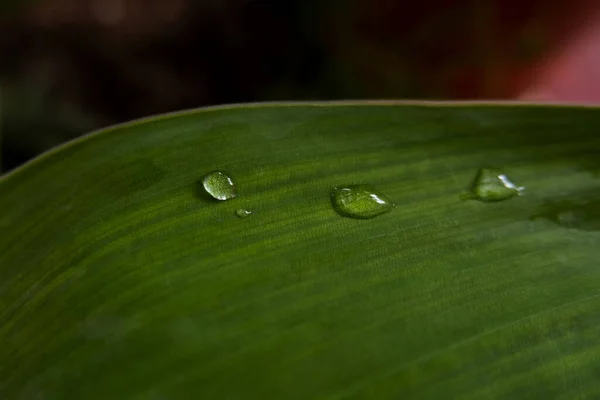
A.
x: 219, y: 185
x: 360, y: 201
x: 241, y: 213
x: 492, y: 185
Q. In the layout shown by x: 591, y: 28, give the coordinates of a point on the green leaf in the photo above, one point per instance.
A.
x: 119, y: 280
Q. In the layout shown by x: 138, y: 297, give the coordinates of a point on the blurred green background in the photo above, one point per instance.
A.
x: 71, y: 66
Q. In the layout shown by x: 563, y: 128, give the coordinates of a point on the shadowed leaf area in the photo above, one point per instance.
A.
x: 579, y: 210
x: 119, y: 280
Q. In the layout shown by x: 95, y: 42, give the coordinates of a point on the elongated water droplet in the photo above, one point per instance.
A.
x: 360, y: 201
x: 491, y: 184
x: 219, y: 185
x: 241, y: 213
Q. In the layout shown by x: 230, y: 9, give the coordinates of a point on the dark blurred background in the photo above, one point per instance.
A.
x: 71, y: 66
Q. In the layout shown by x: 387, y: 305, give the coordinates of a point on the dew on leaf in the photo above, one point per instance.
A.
x: 360, y: 201
x: 219, y: 185
x: 490, y: 185
x: 241, y: 213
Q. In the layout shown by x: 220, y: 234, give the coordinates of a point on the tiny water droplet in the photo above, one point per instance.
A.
x: 491, y: 184
x: 360, y: 201
x: 219, y: 185
x: 241, y: 213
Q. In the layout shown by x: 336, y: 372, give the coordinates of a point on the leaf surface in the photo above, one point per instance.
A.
x: 119, y: 280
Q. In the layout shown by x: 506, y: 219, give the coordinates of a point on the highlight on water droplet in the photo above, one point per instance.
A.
x: 360, y: 201
x: 491, y: 184
x: 219, y: 185
x: 241, y: 213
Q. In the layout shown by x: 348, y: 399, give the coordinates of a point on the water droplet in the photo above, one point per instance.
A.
x: 219, y: 185
x: 360, y: 201
x: 240, y: 212
x: 491, y: 184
